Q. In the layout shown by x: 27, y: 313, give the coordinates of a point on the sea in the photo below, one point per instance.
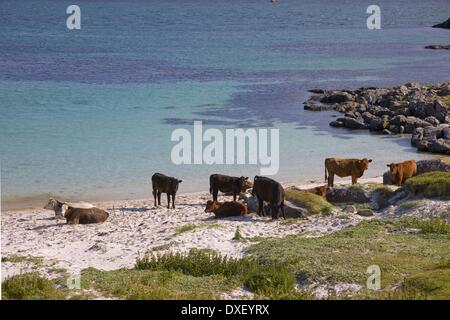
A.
x: 88, y: 114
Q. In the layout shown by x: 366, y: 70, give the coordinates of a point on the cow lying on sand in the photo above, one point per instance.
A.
x: 226, y: 209
x: 320, y: 191
x: 344, y: 168
x: 226, y: 184
x: 402, y: 171
x: 60, y: 207
x: 164, y: 184
x: 85, y: 216
x: 266, y: 189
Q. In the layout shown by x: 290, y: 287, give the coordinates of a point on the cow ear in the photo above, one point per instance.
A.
x: 246, y: 178
x: 180, y: 181
x: 370, y: 160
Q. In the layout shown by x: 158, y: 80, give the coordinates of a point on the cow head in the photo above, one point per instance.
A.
x: 211, y: 206
x: 247, y: 185
x: 321, y: 191
x: 57, y: 206
x: 364, y: 163
x: 395, y: 169
x: 174, y: 183
x: 241, y: 182
x: 52, y: 204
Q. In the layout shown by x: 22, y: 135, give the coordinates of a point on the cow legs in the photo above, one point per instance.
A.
x: 154, y: 197
x: 173, y: 201
x: 274, y: 210
x: 234, y: 196
x: 330, y: 179
x: 168, y: 200
x: 260, y: 206
x: 159, y: 198
x: 282, y: 209
x: 215, y: 193
x: 354, y: 180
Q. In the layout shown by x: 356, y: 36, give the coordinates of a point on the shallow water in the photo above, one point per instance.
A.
x: 88, y: 114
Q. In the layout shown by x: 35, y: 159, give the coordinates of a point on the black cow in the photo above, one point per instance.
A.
x: 266, y: 189
x: 225, y: 184
x: 164, y: 184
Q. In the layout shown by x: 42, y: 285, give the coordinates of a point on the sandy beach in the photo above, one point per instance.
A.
x: 136, y: 227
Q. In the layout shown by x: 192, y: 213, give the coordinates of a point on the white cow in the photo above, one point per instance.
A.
x: 60, y: 208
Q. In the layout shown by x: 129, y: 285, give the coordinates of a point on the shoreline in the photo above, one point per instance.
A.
x: 301, y: 183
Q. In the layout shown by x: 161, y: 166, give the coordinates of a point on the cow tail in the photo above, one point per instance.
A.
x: 326, y: 175
x: 210, y: 190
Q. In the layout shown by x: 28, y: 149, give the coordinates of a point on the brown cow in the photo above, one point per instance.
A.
x: 344, y: 168
x: 164, y: 184
x: 85, y: 216
x: 402, y: 171
x: 226, y: 209
x: 320, y: 191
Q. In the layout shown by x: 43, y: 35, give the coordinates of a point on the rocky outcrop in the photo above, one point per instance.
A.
x: 412, y: 108
x: 438, y: 47
x: 444, y: 25
x: 347, y: 195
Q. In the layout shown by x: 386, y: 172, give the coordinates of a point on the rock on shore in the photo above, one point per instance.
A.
x: 412, y: 108
x: 444, y: 25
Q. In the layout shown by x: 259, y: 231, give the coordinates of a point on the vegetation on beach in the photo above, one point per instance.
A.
x: 414, y: 262
x: 382, y: 194
x: 343, y: 257
x: 430, y: 184
x: 313, y: 203
x: 31, y: 286
x: 446, y: 99
x: 186, y: 228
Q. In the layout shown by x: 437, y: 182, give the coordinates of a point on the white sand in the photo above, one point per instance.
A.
x: 136, y: 227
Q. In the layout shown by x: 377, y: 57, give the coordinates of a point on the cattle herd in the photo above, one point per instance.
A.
x: 265, y: 190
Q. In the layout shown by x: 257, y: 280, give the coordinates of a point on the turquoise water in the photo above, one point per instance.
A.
x: 88, y: 114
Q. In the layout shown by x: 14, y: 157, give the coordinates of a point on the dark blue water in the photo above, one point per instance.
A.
x: 88, y: 113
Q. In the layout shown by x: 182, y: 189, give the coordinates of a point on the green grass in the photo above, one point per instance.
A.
x: 343, y: 257
x: 266, y: 281
x: 19, y: 259
x: 313, y: 203
x: 382, y: 194
x: 196, y: 263
x: 31, y: 286
x: 434, y: 226
x: 411, y: 204
x: 156, y: 285
x: 446, y: 99
x: 237, y: 235
x: 186, y: 228
x: 430, y: 184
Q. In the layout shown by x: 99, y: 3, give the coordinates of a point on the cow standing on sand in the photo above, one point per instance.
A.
x: 226, y: 184
x: 344, y: 168
x: 164, y: 184
x: 266, y: 189
x: 402, y: 171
